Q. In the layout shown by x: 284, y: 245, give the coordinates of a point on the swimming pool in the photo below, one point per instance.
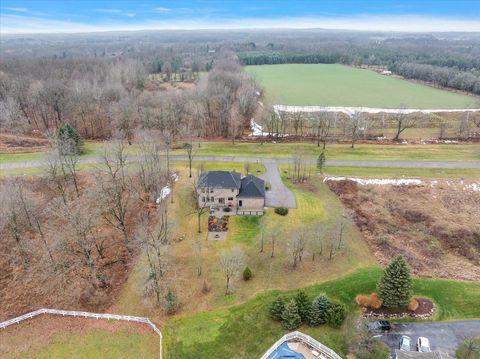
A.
x: 284, y: 352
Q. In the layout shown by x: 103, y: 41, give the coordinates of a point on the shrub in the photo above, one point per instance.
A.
x: 469, y: 349
x: 247, y: 273
x: 394, y: 287
x: 303, y: 305
x: 170, y: 302
x: 277, y: 307
x: 413, y: 305
x: 336, y: 314
x: 282, y: 211
x: 375, y: 302
x: 290, y: 318
x: 362, y: 300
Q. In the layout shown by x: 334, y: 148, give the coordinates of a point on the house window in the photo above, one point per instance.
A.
x: 221, y: 200
x: 233, y: 189
x: 203, y: 199
x: 212, y: 199
x: 240, y: 202
x: 230, y: 198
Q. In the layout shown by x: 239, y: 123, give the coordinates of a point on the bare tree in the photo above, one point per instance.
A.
x: 355, y: 125
x: 403, y: 122
x: 114, y: 193
x: 152, y: 172
x: 296, y: 247
x: 231, y: 263
x: 154, y: 244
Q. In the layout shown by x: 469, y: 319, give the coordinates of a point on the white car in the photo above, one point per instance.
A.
x: 423, y: 345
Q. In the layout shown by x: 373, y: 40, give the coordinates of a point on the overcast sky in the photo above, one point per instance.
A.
x: 69, y: 16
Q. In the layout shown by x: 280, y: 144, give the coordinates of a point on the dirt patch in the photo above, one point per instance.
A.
x: 22, y: 143
x: 425, y: 309
x: 435, y: 229
x: 38, y: 332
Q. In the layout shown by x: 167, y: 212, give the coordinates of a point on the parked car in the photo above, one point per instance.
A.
x: 405, y: 343
x: 423, y: 345
x: 381, y: 325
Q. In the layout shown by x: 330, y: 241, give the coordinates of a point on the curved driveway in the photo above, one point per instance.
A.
x: 278, y: 195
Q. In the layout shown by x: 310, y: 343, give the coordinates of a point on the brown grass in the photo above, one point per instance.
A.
x: 369, y: 301
x: 435, y: 229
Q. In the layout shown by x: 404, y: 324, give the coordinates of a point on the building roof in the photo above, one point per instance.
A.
x: 417, y: 355
x: 219, y: 179
x: 252, y: 186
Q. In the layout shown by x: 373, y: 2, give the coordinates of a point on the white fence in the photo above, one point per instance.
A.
x: 299, y: 336
x: 74, y: 313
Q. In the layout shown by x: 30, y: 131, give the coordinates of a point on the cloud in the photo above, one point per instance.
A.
x: 17, y: 9
x: 109, y: 11
x: 20, y: 24
x: 163, y: 10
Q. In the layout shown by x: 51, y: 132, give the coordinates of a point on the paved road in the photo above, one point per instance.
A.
x: 278, y: 195
x: 349, y: 163
x: 443, y: 336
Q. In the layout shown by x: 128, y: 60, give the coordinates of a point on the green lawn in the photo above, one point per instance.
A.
x: 395, y: 172
x: 339, y: 85
x: 98, y: 344
x: 245, y: 331
x: 440, y: 152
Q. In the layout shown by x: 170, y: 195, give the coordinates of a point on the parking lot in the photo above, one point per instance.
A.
x: 443, y: 336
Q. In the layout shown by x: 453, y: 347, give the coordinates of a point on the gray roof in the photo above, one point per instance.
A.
x: 417, y: 355
x: 252, y: 186
x: 219, y: 179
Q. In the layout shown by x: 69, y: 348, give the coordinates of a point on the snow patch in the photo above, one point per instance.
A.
x: 350, y: 111
x: 257, y: 131
x: 165, y: 191
x: 455, y: 185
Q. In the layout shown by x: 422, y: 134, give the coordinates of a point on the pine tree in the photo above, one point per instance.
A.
x: 303, y: 305
x: 321, y: 162
x: 395, y: 286
x: 69, y: 141
x: 247, y: 273
x: 290, y: 318
x: 314, y: 315
x: 171, y: 302
x: 276, y: 308
x: 335, y: 314
x: 322, y: 303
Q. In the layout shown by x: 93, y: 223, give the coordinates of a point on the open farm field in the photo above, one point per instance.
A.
x: 338, y: 85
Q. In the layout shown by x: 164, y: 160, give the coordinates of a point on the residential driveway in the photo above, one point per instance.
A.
x: 278, y: 195
x: 443, y: 336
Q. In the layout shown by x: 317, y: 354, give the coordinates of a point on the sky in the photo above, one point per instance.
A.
x: 70, y: 16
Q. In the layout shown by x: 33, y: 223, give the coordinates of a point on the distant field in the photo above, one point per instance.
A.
x: 338, y: 85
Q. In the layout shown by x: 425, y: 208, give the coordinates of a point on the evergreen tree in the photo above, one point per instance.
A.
x: 303, y: 305
x: 321, y: 162
x: 291, y: 320
x: 314, y: 315
x: 322, y: 303
x: 69, y: 141
x: 247, y: 273
x: 171, y: 302
x: 395, y: 286
x: 276, y: 308
x: 335, y: 314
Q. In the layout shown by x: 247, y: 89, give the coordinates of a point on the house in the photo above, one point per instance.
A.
x: 223, y: 189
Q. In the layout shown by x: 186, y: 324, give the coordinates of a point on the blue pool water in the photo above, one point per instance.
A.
x: 284, y: 352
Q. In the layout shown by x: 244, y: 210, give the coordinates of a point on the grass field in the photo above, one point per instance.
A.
x: 98, y: 344
x: 338, y: 85
x: 245, y: 331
